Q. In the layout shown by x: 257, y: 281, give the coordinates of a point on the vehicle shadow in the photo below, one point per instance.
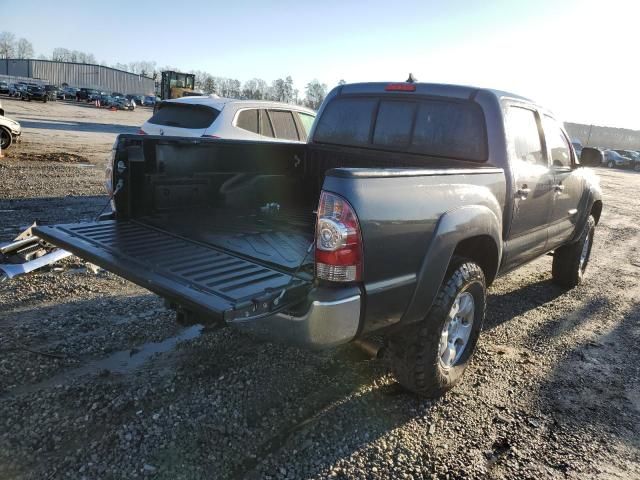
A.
x: 596, y: 385
x: 67, y: 126
x: 503, y: 307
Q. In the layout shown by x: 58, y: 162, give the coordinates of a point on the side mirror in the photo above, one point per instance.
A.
x: 591, y: 157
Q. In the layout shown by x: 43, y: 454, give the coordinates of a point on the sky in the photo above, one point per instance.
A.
x: 578, y: 58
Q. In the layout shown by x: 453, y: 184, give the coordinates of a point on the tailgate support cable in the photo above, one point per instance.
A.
x: 277, y: 300
x: 119, y: 186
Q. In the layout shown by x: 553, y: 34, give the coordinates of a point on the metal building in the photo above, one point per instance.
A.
x: 79, y: 75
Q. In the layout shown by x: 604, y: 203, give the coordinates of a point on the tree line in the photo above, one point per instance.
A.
x: 280, y: 90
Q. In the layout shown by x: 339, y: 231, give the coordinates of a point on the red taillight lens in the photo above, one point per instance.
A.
x: 141, y: 132
x: 338, y: 240
x: 400, y: 87
x: 210, y: 136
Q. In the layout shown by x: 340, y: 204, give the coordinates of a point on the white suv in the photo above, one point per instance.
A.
x: 228, y: 118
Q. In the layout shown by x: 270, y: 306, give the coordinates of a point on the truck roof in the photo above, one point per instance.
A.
x: 439, y: 89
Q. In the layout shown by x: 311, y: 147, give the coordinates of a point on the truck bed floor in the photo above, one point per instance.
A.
x: 281, y: 240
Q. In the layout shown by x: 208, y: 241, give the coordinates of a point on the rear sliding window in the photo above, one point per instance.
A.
x: 184, y: 116
x: 444, y: 128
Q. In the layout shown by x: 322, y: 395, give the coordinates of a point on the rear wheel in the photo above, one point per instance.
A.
x: 570, y: 261
x: 636, y: 167
x: 611, y: 164
x: 430, y: 357
x: 5, y: 138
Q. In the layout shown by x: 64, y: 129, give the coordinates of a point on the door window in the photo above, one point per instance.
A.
x: 524, y: 136
x: 307, y: 121
x: 557, y: 142
x: 248, y: 120
x: 283, y: 124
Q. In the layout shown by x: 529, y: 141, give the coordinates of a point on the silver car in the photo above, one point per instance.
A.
x: 227, y: 118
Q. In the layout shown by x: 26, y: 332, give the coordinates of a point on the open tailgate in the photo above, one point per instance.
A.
x: 192, y: 274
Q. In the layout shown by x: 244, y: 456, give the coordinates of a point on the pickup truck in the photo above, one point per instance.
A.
x: 405, y: 204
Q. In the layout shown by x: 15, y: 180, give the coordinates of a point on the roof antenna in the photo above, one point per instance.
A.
x: 411, y: 78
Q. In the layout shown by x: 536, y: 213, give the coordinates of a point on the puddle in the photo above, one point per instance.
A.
x: 121, y: 362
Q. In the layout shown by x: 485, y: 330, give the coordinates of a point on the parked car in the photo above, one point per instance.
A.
x: 15, y: 89
x: 613, y: 159
x: 52, y: 92
x: 87, y: 93
x: 395, y: 217
x: 4, y: 88
x: 34, y: 93
x: 10, y: 130
x: 632, y: 156
x: 149, y: 101
x: 229, y: 118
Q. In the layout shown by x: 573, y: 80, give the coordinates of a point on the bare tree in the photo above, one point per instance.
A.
x: 24, y: 48
x: 315, y: 93
x: 255, y: 89
x: 60, y: 54
x: 7, y: 45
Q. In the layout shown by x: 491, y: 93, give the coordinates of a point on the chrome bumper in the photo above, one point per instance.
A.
x: 325, y: 324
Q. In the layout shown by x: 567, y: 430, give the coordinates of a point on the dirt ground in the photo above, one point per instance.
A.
x: 97, y: 381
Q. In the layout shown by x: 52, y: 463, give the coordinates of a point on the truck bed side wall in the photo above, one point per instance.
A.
x: 411, y: 219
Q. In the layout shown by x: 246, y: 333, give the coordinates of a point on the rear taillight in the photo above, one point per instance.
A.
x: 338, y: 240
x: 210, y: 136
x: 141, y: 132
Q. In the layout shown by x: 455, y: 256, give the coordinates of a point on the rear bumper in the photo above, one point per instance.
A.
x: 326, y: 323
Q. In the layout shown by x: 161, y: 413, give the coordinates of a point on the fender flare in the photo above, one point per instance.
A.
x: 593, y: 194
x: 453, y: 227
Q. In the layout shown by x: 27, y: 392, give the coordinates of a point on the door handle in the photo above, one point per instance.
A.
x: 523, y: 192
x: 558, y: 188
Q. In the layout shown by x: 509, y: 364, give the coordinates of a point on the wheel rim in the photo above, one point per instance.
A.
x: 584, y: 255
x: 457, y: 329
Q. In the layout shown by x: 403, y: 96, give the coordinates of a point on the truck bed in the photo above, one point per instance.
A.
x: 280, y: 240
x: 203, y: 275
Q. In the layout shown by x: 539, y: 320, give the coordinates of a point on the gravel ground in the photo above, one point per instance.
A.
x: 97, y: 381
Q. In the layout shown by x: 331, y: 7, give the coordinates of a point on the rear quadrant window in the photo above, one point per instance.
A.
x: 184, y: 116
x: 248, y: 120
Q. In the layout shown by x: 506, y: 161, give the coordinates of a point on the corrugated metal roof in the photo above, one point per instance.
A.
x: 79, y: 75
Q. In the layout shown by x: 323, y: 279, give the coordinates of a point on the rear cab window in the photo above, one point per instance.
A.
x: 182, y: 115
x: 442, y: 127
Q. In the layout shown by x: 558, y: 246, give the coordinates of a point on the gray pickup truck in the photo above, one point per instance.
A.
x: 407, y: 202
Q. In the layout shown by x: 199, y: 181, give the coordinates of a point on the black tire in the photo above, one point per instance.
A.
x: 636, y: 167
x: 5, y: 138
x: 414, y: 353
x: 611, y: 164
x: 568, y: 267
